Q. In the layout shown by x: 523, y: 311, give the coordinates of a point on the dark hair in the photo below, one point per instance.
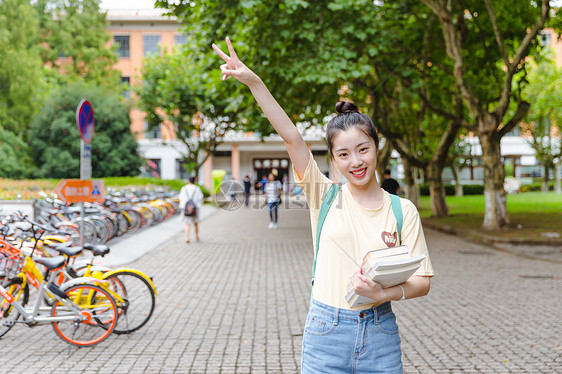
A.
x: 192, y: 179
x: 387, y: 171
x: 348, y: 117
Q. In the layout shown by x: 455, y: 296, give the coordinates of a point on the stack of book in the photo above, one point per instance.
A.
x: 389, y: 267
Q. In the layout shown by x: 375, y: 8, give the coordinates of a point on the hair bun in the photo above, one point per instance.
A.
x: 346, y: 107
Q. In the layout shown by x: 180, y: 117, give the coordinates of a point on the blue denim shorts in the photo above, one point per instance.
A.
x: 346, y: 341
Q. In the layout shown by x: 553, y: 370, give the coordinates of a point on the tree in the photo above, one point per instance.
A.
x: 312, y: 53
x: 488, y: 45
x: 545, y: 116
x: 20, y: 65
x: 459, y: 158
x: 74, y: 40
x: 178, y: 90
x: 15, y: 161
x: 55, y: 139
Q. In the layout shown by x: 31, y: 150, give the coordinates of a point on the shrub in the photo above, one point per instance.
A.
x: 534, y: 187
x: 468, y: 189
x: 55, y: 139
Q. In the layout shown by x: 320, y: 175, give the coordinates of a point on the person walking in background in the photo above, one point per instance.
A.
x: 273, y: 189
x: 191, y: 201
x: 247, y: 189
x: 263, y: 182
x: 338, y: 338
x: 389, y: 184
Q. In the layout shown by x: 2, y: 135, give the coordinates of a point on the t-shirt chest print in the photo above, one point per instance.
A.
x: 389, y: 239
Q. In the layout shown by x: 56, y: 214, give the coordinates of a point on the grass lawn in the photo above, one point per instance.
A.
x: 534, y: 212
x: 29, y: 188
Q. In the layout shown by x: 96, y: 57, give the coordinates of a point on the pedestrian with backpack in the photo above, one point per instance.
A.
x: 191, y: 201
x: 357, y: 217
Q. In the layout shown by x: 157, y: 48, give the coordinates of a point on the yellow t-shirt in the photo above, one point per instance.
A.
x: 350, y: 231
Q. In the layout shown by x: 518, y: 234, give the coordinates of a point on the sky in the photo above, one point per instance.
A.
x: 127, y: 4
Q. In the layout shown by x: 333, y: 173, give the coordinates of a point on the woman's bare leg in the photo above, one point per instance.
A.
x: 187, y: 232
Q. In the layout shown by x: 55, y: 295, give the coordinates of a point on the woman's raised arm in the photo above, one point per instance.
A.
x: 296, y: 146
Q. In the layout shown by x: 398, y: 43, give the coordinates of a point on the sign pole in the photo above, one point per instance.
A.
x: 85, y: 123
x: 85, y: 174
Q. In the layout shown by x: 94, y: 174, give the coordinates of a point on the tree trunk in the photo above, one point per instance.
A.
x: 412, y: 189
x: 437, y: 190
x: 458, y: 186
x: 545, y: 178
x: 383, y: 159
x: 495, y: 214
x: 557, y: 184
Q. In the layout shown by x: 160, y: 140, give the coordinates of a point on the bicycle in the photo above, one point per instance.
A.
x: 83, y: 312
x: 133, y: 291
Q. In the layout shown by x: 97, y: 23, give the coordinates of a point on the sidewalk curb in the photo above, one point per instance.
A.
x: 133, y: 246
x: 494, y: 241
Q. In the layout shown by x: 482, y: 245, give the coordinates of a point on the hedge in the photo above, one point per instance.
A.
x: 536, y: 187
x: 468, y: 189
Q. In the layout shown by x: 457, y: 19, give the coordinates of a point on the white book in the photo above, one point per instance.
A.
x: 388, y: 271
x: 371, y: 257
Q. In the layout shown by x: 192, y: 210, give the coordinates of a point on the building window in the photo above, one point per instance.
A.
x: 181, y: 173
x: 544, y: 39
x: 126, y: 81
x: 222, y: 154
x: 123, y: 45
x: 180, y: 40
x: 516, y: 131
x: 279, y: 167
x: 152, y: 133
x: 152, y: 167
x: 151, y: 44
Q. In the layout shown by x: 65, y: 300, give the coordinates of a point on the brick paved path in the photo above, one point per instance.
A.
x: 236, y: 303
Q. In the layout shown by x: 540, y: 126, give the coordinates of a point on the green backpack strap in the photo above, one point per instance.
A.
x: 397, y: 210
x: 326, y: 204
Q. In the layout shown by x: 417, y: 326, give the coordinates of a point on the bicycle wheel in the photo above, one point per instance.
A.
x: 73, y: 232
x: 101, y: 230
x: 138, y: 300
x: 87, y: 229
x: 122, y: 223
x: 8, y: 314
x: 95, y: 321
x: 135, y: 219
x: 148, y: 216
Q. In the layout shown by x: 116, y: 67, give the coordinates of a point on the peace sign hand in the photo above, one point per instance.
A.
x: 234, y: 67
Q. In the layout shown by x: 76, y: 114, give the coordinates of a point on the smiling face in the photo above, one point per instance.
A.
x: 355, y: 155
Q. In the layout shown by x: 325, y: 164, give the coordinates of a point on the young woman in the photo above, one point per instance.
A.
x: 272, y: 190
x: 191, y: 192
x: 337, y: 338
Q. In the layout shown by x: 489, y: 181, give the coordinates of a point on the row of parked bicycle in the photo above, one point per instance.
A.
x: 121, y: 212
x: 51, y: 273
x: 44, y: 279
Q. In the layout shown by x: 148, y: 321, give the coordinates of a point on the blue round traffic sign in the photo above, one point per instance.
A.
x: 85, y: 120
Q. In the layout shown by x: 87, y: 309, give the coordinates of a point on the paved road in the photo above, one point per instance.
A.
x: 236, y: 302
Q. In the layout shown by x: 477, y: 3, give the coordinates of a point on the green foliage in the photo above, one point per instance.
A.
x: 310, y: 54
x: 20, y: 65
x: 15, y: 161
x: 180, y: 90
x: 545, y: 96
x: 174, y: 184
x: 55, y: 139
x: 531, y: 214
x: 468, y: 189
x: 536, y: 187
x: 77, y: 31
